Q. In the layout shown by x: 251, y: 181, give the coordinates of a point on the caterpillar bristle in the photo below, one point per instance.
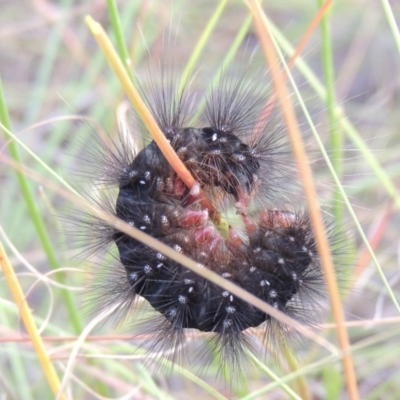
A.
x: 240, y: 159
x: 236, y: 105
x: 170, y: 104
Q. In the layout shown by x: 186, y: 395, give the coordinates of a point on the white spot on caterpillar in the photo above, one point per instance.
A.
x: 169, y: 184
x: 231, y: 298
x: 159, y: 183
x: 304, y: 248
x: 190, y: 290
x: 188, y: 281
x: 177, y: 248
x: 230, y: 309
x: 132, y: 173
x: 223, y: 139
x: 264, y: 282
x: 291, y: 238
x: 175, y: 213
x: 281, y: 261
x: 257, y: 250
x: 214, y: 137
x: 147, y: 269
x: 146, y: 219
x: 294, y: 276
x: 134, y: 276
x: 252, y: 269
x: 275, y: 305
x: 147, y: 175
x: 273, y: 293
x: 227, y: 323
x: 225, y: 294
x: 131, y: 223
x: 239, y: 157
x: 215, y: 152
x: 226, y: 275
x: 195, y: 190
x: 181, y: 151
x: 171, y: 312
x: 164, y: 220
x: 182, y: 299
x: 160, y: 265
x: 142, y: 182
x: 143, y: 228
x: 160, y: 256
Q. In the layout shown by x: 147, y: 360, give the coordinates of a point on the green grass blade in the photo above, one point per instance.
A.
x: 33, y: 210
x: 347, y: 126
x: 198, y: 49
x: 341, y: 190
x: 335, y: 134
x: 119, y: 35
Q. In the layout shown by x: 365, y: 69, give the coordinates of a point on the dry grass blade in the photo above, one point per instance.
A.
x: 149, y: 121
x: 29, y: 322
x: 310, y: 192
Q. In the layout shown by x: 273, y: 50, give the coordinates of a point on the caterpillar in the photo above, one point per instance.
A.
x: 239, y: 157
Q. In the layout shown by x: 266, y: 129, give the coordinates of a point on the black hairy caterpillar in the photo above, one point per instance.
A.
x: 273, y: 256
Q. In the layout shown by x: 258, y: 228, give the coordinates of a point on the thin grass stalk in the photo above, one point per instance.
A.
x: 37, y: 220
x: 373, y: 162
x: 310, y: 368
x: 374, y: 239
x: 29, y: 323
x: 45, y: 66
x: 344, y: 197
x: 387, y: 9
x: 139, y: 235
x: 192, y: 377
x: 310, y: 192
x: 275, y: 378
x: 198, y: 49
x: 150, y: 123
x: 16, y: 364
x: 119, y: 36
x: 325, y: 6
x: 236, y: 43
x: 335, y: 134
x: 357, y: 140
x: 201, y: 44
x: 300, y: 382
x: 384, y: 178
x: 304, y: 39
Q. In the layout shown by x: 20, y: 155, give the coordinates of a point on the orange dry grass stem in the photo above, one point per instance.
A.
x: 299, y: 48
x: 29, y: 323
x: 150, y: 123
x: 310, y: 192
